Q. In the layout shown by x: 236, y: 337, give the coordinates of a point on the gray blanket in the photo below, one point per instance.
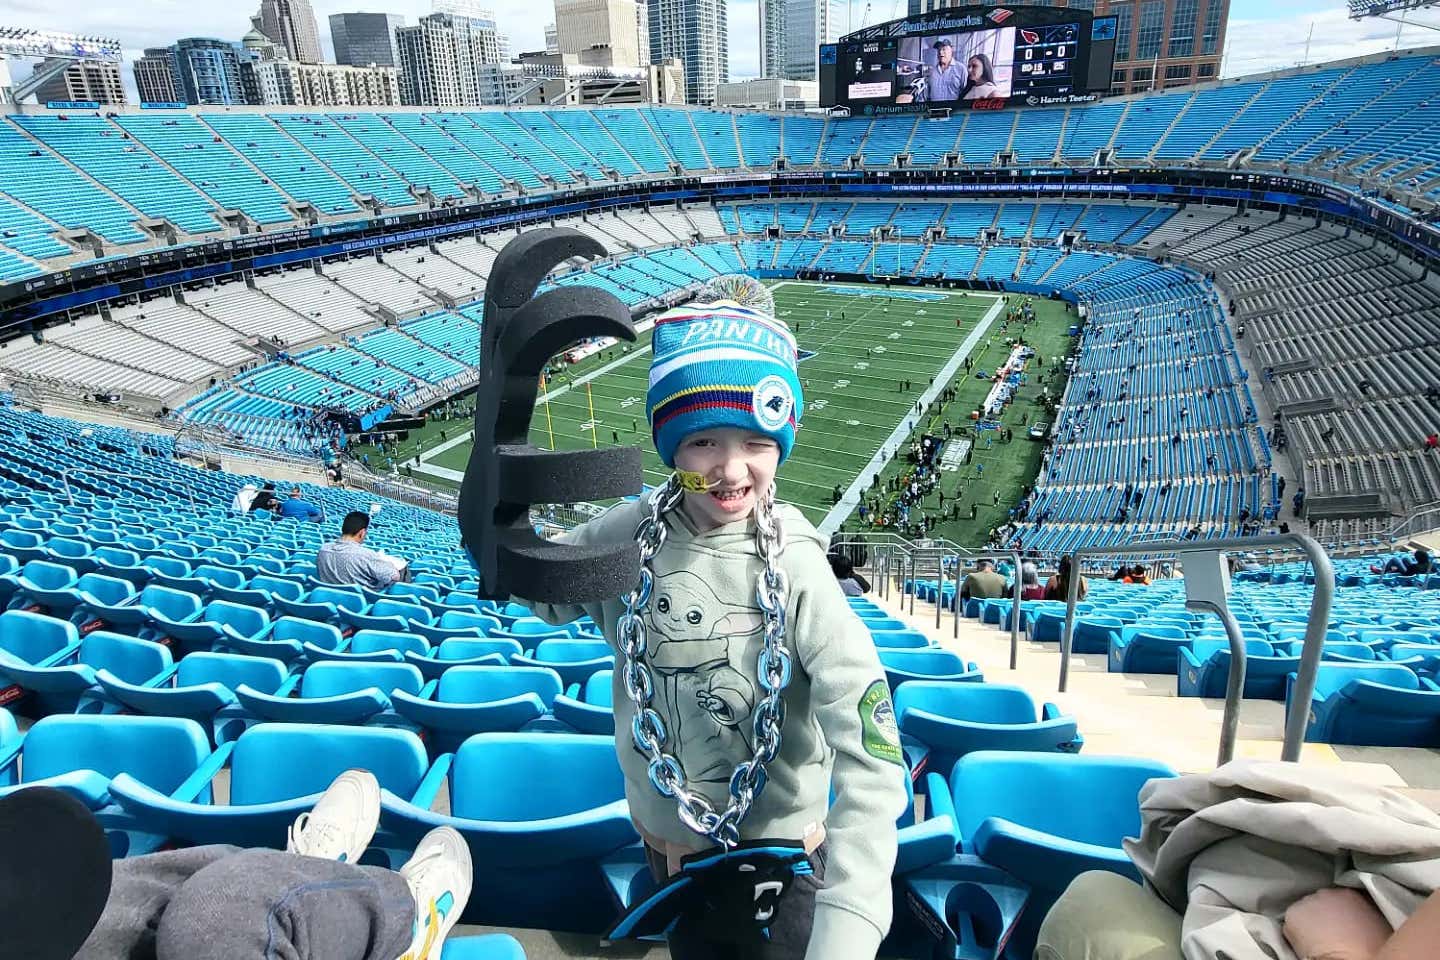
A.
x: 1231, y: 850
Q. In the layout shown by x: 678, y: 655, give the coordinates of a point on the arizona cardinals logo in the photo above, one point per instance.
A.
x: 1029, y: 36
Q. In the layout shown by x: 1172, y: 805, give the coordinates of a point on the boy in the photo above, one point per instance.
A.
x: 724, y: 402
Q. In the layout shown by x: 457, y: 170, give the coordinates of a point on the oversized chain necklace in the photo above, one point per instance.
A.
x: 772, y: 589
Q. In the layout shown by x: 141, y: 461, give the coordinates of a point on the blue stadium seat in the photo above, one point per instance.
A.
x: 221, y: 621
x: 930, y: 664
x: 955, y: 719
x: 1380, y: 704
x: 588, y: 709
x: 11, y: 740
x: 1204, y: 669
x: 574, y: 660
x: 138, y: 616
x: 70, y: 685
x: 277, y: 772
x: 202, y: 688
x: 83, y: 755
x: 1141, y: 648
x: 463, y: 651
x: 290, y: 639
x: 1006, y: 809
x: 337, y: 693
x: 471, y: 700
x: 542, y: 810
x: 323, y: 604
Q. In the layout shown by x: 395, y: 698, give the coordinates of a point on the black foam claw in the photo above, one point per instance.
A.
x: 506, y: 474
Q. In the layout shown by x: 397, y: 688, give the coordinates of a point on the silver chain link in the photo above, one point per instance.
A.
x: 772, y: 590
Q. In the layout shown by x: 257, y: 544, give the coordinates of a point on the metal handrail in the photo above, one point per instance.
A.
x: 1322, y: 599
x: 66, y: 474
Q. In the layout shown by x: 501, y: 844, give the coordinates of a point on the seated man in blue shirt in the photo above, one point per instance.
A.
x: 298, y: 508
x: 347, y: 561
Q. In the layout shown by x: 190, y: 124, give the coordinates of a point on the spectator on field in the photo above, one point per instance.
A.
x: 1030, y: 588
x: 347, y: 561
x: 1401, y: 565
x: 983, y: 583
x: 1058, y: 588
x: 297, y: 507
x: 265, y: 500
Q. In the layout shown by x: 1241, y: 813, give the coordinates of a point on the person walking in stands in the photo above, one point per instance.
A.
x: 346, y: 560
x: 298, y: 508
x: 706, y: 633
x: 1298, y: 501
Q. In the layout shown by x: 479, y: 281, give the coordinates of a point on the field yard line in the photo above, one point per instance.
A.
x: 464, y: 437
x: 851, y: 498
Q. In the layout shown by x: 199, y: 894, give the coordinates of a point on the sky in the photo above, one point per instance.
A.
x: 1263, y: 34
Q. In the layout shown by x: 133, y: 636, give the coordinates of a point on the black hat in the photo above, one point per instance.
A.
x: 54, y: 874
x: 944, y: 42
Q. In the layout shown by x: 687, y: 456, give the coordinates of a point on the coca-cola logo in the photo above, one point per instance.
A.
x: 994, y: 103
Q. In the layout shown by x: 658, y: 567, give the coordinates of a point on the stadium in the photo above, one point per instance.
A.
x: 1192, y: 331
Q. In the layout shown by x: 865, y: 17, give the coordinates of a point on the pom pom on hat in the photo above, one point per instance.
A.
x: 723, y: 364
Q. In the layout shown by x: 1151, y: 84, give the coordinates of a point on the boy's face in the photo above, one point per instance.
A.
x: 738, y: 464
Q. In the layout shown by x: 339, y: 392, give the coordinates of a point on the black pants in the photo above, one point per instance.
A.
x: 789, y: 933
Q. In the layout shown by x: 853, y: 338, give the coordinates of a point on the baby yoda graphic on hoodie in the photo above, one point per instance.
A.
x: 704, y: 639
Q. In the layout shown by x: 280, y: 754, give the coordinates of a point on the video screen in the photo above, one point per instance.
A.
x: 959, y: 66
x: 970, y: 58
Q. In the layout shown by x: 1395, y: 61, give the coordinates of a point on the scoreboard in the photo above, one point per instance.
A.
x: 970, y: 58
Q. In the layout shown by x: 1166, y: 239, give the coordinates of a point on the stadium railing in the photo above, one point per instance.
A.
x: 1207, y: 591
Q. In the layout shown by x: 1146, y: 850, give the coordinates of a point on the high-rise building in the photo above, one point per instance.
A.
x: 207, y: 71
x: 155, y: 76
x: 642, y: 30
x: 552, y: 40
x: 441, y: 57
x: 362, y: 39
x: 791, y: 32
x: 291, y: 24
x: 1158, y: 43
x: 592, y: 25
x: 288, y: 83
x: 94, y: 81
x: 696, y: 32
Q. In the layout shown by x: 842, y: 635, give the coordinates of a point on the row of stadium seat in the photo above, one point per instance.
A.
x: 195, y: 169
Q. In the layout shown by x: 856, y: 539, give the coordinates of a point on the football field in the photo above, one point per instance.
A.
x: 868, y: 355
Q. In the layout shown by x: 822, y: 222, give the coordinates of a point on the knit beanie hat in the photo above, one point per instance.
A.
x: 721, y: 364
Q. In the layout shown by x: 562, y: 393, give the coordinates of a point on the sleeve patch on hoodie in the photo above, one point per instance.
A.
x: 878, y: 732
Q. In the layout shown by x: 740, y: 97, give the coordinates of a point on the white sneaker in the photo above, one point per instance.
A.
x: 439, y: 875
x: 342, y: 822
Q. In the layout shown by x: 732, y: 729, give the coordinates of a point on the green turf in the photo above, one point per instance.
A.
x: 867, y: 345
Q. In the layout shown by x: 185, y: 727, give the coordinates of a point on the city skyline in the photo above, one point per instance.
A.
x: 1263, y: 34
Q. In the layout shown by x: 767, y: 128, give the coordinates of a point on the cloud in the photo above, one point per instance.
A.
x: 1259, y: 45
x: 743, y: 19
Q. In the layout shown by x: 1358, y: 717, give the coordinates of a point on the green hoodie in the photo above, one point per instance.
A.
x: 705, y: 638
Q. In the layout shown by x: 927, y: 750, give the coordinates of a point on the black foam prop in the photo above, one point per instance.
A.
x: 54, y: 874
x: 506, y: 474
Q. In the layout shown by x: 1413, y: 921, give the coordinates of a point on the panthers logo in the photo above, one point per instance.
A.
x: 772, y: 403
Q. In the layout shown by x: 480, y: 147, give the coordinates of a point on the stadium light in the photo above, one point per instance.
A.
x: 1360, y: 9
x: 24, y: 42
